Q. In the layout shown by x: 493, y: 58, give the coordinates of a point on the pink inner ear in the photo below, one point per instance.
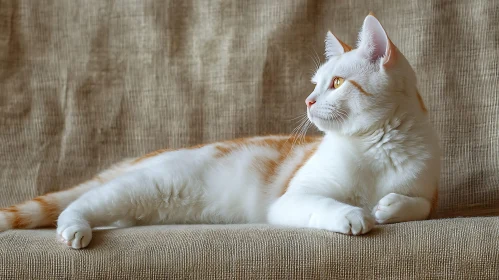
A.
x: 373, y: 39
x: 391, y: 54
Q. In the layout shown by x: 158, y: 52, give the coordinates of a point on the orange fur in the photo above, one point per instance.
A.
x: 49, y: 209
x: 196, y: 146
x: 223, y: 151
x: 228, y: 147
x: 270, y: 165
x: 18, y: 221
x: 359, y: 87
x: 308, y: 154
x: 11, y: 209
x: 346, y: 48
x: 265, y: 166
x: 151, y: 154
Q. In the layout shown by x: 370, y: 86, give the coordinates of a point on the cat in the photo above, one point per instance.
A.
x: 377, y: 162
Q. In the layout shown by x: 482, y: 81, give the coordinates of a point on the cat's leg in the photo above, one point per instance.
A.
x: 395, y: 208
x: 316, y: 211
x: 131, y: 196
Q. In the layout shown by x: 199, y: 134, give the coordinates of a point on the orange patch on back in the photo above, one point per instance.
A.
x: 271, y: 171
x: 150, y: 155
x: 308, y: 154
x: 227, y: 147
x: 266, y: 166
x: 355, y: 84
x: 49, y: 209
x: 223, y: 151
x: 421, y: 102
x: 271, y: 166
x: 196, y: 146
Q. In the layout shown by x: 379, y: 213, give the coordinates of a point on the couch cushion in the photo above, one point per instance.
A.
x: 84, y: 84
x: 463, y: 248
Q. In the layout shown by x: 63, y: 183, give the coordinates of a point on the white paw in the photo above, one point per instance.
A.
x: 389, y: 209
x: 351, y: 220
x: 76, y: 236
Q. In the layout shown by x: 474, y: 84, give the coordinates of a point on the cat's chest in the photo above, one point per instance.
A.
x: 357, y: 176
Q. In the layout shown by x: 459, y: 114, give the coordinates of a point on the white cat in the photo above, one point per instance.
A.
x: 379, y: 161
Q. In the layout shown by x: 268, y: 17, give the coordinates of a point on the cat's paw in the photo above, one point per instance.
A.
x: 389, y: 209
x: 76, y: 236
x: 352, y: 221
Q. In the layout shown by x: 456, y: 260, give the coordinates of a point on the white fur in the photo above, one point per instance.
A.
x: 378, y: 162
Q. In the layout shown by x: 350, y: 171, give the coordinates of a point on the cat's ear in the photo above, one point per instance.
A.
x: 374, y: 42
x: 335, y: 46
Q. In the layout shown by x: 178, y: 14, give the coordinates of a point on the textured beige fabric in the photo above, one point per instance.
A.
x: 84, y: 84
x: 441, y: 249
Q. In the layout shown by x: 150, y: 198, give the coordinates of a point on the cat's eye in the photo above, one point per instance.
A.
x: 336, y: 82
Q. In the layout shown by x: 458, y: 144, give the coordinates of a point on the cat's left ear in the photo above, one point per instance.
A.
x: 335, y: 46
x: 374, y: 42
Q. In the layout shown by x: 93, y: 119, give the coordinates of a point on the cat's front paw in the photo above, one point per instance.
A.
x: 352, y: 221
x: 76, y: 236
x: 389, y: 209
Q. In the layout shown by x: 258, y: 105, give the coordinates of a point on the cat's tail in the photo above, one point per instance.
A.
x: 43, y: 211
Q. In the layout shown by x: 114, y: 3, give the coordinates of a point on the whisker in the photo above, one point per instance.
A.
x: 316, y: 65
x: 297, y: 137
x: 303, y: 132
x: 318, y: 58
x: 301, y: 116
x: 295, y: 131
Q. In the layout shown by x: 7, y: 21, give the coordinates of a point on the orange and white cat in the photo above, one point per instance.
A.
x: 378, y: 161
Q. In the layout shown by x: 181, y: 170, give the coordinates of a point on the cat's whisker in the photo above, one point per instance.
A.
x: 301, y: 116
x: 318, y: 58
x: 305, y: 132
x: 299, y: 132
x: 316, y: 65
x: 295, y: 131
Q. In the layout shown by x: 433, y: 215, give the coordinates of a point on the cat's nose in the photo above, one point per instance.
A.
x: 310, y: 102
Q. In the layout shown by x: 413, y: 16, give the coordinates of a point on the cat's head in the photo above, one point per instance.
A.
x: 358, y: 89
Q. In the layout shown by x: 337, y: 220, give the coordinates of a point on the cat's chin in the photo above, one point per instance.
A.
x: 325, y: 125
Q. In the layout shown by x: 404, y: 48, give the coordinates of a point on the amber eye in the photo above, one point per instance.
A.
x: 336, y: 82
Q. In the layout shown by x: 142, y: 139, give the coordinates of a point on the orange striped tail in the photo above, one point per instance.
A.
x: 41, y: 211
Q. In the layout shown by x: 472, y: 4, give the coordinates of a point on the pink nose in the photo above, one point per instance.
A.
x: 310, y: 102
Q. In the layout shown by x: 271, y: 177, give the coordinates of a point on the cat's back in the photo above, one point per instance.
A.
x: 244, y: 176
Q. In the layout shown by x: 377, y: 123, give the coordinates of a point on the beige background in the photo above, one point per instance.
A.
x: 85, y: 83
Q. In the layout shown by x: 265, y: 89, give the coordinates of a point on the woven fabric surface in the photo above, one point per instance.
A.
x: 439, y: 249
x: 86, y: 83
